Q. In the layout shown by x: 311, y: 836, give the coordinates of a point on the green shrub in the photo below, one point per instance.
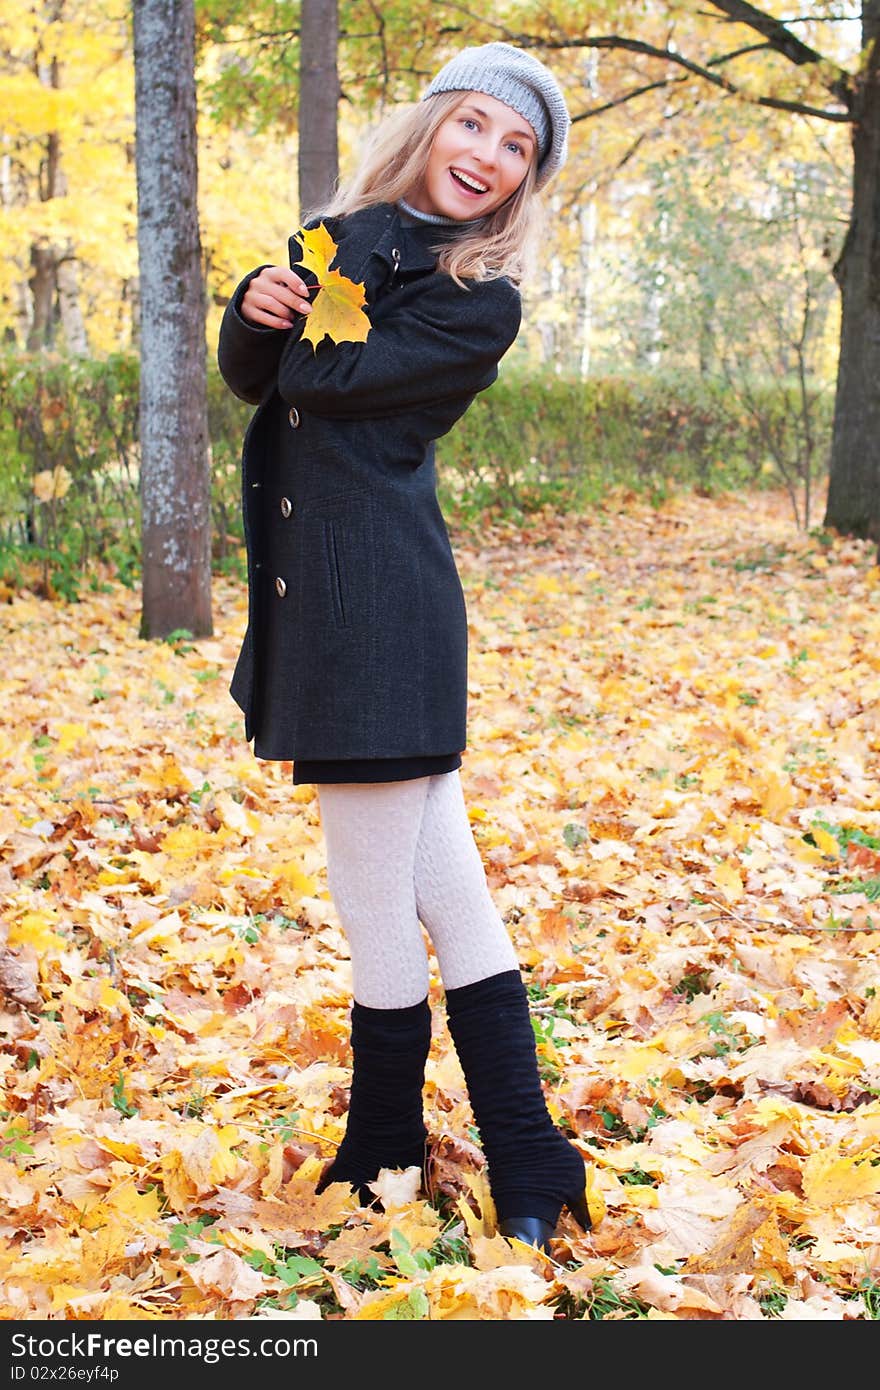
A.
x: 536, y: 441
x: 69, y: 456
x: 68, y: 480
x: 69, y: 469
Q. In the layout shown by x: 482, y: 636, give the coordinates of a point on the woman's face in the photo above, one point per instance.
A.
x: 479, y: 158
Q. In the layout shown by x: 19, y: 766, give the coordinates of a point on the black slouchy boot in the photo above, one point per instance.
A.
x: 534, y: 1171
x: 385, y: 1126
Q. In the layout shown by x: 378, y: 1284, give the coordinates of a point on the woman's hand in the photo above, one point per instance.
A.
x: 274, y: 297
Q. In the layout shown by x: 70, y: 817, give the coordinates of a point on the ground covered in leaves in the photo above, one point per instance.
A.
x: 674, y: 781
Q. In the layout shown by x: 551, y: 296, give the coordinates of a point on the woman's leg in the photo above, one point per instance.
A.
x: 533, y: 1169
x: 454, y: 903
x: 370, y: 832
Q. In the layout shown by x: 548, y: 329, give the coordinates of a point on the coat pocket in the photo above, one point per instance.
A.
x: 335, y: 628
x: 336, y: 571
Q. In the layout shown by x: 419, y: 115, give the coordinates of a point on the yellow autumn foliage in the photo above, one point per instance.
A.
x: 689, y: 887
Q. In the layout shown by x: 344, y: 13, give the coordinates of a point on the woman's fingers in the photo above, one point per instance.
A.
x: 266, y: 309
x: 274, y: 297
x: 288, y: 286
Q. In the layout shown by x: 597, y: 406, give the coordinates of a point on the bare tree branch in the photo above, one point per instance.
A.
x: 776, y: 36
x: 383, y: 46
x: 779, y: 103
x: 838, y: 81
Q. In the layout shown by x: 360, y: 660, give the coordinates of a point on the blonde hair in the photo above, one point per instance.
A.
x: 393, y: 162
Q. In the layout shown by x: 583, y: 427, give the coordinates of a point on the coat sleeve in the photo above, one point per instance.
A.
x: 439, y: 342
x: 247, y: 354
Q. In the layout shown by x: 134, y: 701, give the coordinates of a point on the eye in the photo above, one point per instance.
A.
x: 468, y: 120
x: 513, y: 145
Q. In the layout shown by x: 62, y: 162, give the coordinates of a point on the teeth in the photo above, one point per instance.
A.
x: 471, y: 182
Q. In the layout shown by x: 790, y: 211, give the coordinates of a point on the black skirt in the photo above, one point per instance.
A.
x: 373, y: 769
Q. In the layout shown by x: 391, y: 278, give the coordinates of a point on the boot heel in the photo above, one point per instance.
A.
x: 531, y: 1230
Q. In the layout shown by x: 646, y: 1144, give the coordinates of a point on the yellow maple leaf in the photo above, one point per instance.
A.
x: 826, y: 842
x: 507, y: 1292
x: 734, y: 1248
x: 381, y: 1305
x: 109, y: 998
x: 142, y: 1209
x: 186, y: 842
x: 63, y: 1295
x: 319, y: 249
x: 831, y: 1181
x: 164, y: 775
x: 777, y: 796
x: 595, y: 1199
x: 118, y: 1308
x: 291, y: 873
x: 638, y: 1061
x: 337, y: 308
x: 175, y: 1183
x: 727, y: 877
x: 547, y: 584
x: 338, y: 312
x: 35, y: 929
x: 69, y: 735
x: 274, y: 1175
x: 494, y: 1252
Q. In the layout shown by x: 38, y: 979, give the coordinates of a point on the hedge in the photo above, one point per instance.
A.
x: 69, y: 503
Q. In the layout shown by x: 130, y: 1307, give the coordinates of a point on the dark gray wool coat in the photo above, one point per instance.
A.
x: 356, y: 644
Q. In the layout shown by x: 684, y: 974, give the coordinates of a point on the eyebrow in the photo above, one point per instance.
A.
x: 524, y: 134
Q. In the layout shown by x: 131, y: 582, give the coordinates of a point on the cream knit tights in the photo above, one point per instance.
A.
x: 401, y: 853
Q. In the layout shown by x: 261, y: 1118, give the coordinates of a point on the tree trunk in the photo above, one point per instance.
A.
x: 43, y: 281
x: 69, y: 308
x: 587, y: 215
x: 587, y: 220
x: 318, y: 157
x: 54, y: 284
x: 174, y: 470
x: 853, y: 505
x: 42, y: 287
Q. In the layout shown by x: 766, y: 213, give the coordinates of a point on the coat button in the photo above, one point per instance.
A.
x: 293, y: 417
x: 286, y: 506
x: 280, y: 587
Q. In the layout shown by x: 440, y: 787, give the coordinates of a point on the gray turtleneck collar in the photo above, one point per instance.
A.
x: 435, y: 219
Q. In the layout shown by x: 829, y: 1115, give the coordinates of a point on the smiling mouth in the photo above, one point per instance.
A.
x: 467, y: 181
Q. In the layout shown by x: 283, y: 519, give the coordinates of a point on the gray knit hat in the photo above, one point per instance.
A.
x: 522, y: 82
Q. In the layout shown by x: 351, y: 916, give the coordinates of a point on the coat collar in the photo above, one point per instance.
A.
x: 403, y: 246
x: 379, y: 232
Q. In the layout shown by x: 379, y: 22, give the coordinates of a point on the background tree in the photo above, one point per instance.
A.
x: 730, y: 282
x: 53, y: 282
x: 828, y: 91
x: 318, y: 146
x: 66, y: 207
x: 175, y: 476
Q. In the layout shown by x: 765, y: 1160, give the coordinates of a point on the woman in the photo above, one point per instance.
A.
x: 354, y: 664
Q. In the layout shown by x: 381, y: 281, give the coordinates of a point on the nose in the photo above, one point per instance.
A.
x: 486, y: 153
